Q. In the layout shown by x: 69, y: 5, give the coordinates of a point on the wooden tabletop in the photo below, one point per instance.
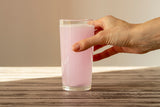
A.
x: 112, y: 87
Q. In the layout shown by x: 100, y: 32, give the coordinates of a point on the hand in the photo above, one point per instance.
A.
x: 123, y: 36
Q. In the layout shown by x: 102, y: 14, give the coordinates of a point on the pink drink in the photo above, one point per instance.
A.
x: 76, y: 66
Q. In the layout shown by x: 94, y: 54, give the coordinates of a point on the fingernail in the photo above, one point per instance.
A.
x: 76, y: 47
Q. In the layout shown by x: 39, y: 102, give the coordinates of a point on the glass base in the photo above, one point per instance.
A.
x: 78, y: 88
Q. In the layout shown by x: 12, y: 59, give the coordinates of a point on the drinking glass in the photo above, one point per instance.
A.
x: 76, y: 66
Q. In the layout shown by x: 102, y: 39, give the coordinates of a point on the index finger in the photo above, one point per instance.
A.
x: 97, y: 23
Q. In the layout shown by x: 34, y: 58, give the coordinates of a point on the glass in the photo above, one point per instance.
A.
x: 76, y: 66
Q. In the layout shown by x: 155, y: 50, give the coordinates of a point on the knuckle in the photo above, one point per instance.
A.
x: 101, y: 37
x: 108, y: 37
x: 101, y: 33
x: 109, y: 17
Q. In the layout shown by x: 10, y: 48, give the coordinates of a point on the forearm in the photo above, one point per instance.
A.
x: 152, y: 27
x: 147, y: 35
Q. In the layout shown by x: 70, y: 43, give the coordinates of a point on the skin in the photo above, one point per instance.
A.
x: 123, y: 36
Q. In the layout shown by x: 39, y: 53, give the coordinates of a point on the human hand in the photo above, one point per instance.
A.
x: 123, y: 36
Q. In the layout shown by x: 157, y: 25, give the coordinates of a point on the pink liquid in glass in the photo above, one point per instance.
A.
x: 76, y: 66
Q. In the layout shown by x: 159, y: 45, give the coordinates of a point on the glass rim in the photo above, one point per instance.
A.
x: 75, y: 20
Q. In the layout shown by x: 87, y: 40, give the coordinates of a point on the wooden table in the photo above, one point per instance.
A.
x: 112, y: 87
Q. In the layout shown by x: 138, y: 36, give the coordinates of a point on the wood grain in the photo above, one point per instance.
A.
x: 120, y: 88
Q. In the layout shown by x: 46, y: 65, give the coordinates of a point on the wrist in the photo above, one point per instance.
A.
x: 136, y: 30
x: 146, y: 36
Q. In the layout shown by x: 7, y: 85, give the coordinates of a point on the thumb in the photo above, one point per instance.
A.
x: 84, y: 44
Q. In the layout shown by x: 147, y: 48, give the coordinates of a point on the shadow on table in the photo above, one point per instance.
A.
x: 122, y: 88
